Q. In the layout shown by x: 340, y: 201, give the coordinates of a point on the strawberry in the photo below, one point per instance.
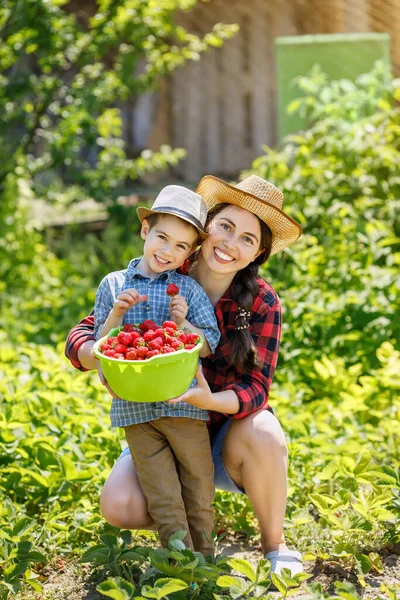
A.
x: 160, y: 333
x: 156, y: 344
x: 105, y: 346
x: 120, y: 349
x: 181, y: 336
x: 128, y: 327
x: 111, y: 341
x: 169, y: 332
x: 110, y: 353
x: 167, y: 350
x: 142, y: 352
x: 189, y: 346
x: 124, y: 337
x: 119, y: 356
x: 152, y: 353
x: 131, y: 354
x: 134, y: 336
x: 149, y: 335
x: 170, y: 325
x: 148, y: 324
x: 172, y: 289
x: 139, y: 342
x: 176, y: 344
x: 192, y: 338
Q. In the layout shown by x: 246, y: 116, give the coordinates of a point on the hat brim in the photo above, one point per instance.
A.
x: 285, y: 230
x: 143, y: 213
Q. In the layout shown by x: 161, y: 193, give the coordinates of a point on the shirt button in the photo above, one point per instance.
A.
x: 148, y: 307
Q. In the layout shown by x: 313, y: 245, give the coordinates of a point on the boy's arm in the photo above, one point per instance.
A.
x: 198, y: 316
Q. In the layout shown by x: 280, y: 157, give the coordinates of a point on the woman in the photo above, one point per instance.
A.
x: 246, y: 225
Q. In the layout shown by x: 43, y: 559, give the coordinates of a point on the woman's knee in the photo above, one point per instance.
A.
x: 260, y: 431
x: 122, y: 502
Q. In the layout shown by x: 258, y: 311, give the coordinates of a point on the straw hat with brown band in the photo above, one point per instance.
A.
x: 259, y: 197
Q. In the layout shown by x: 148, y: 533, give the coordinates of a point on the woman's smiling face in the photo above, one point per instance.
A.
x: 233, y: 241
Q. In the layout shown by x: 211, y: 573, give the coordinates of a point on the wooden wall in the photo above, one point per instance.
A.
x: 222, y: 108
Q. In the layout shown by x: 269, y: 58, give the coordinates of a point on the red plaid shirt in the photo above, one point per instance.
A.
x: 252, y: 388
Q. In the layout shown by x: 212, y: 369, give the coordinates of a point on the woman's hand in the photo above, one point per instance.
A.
x: 103, y: 380
x: 200, y: 396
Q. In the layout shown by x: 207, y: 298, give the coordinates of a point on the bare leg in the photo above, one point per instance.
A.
x: 255, y: 456
x: 122, y: 502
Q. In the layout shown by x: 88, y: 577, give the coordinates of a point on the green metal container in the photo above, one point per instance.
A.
x: 339, y: 55
x: 156, y: 379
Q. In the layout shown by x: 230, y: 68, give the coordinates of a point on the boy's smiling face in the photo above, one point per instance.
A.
x: 167, y: 244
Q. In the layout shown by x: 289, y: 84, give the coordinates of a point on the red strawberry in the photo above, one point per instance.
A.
x: 111, y: 341
x: 134, y: 336
x: 131, y: 354
x: 172, y: 289
x: 139, y: 342
x: 120, y: 349
x: 105, y: 346
x: 124, y: 337
x: 181, y: 336
x: 128, y: 327
x: 148, y: 324
x: 189, y: 346
x: 167, y: 350
x: 109, y: 352
x: 169, y: 332
x: 170, y: 325
x: 156, y: 344
x: 152, y: 353
x: 149, y: 335
x: 160, y: 333
x: 119, y: 356
x: 192, y: 338
x: 142, y: 352
x: 176, y: 344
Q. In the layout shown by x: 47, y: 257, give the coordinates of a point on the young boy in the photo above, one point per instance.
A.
x: 169, y: 443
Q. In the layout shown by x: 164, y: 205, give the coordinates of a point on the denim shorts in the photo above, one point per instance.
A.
x: 221, y: 478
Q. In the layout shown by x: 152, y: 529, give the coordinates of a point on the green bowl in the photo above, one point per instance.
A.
x: 156, y: 379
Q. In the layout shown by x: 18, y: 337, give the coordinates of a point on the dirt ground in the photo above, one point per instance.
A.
x: 72, y: 581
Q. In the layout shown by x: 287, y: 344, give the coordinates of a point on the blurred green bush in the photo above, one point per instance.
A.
x: 340, y: 282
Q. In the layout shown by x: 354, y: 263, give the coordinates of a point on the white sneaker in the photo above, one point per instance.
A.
x: 285, y: 559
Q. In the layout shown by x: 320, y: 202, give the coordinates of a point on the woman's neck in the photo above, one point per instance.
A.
x: 214, y: 284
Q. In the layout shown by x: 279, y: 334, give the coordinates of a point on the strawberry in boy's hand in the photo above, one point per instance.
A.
x: 172, y: 289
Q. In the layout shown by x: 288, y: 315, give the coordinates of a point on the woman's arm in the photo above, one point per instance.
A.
x: 80, y: 335
x: 201, y: 396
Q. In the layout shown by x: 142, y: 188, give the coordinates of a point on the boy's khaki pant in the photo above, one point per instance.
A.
x: 172, y: 456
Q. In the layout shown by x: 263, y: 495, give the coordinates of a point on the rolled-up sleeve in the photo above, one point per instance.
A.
x: 201, y: 314
x: 252, y: 388
x: 102, y: 306
x: 81, y: 333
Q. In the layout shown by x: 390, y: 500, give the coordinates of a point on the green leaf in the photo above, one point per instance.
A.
x: 244, y: 567
x: 116, y: 588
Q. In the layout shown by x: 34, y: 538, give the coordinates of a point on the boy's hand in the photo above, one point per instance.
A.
x: 178, y: 309
x: 126, y: 300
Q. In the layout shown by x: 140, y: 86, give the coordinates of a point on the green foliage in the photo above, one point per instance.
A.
x: 336, y: 390
x: 64, y: 74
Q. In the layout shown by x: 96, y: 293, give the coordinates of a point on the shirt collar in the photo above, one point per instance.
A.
x: 132, y: 272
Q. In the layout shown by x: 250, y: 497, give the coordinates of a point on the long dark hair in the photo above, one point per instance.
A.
x: 244, y: 290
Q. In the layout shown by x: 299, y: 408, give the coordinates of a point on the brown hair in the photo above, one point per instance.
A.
x: 154, y: 218
x: 244, y: 290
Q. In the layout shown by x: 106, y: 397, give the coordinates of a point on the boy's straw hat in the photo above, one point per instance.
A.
x: 259, y: 197
x: 183, y: 203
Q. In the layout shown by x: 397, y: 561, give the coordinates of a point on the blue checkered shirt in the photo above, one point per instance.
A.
x: 200, y: 314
